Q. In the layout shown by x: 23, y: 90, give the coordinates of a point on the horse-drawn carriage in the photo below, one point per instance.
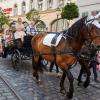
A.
x: 19, y: 51
x: 66, y: 52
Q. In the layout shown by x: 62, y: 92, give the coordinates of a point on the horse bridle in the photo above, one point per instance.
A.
x: 87, y: 25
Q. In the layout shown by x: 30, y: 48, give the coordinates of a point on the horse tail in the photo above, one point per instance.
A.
x: 37, y: 63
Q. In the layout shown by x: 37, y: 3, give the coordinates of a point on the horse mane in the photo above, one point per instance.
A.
x: 74, y: 30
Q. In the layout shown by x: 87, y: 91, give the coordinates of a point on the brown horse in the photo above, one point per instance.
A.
x: 92, y: 48
x: 65, y: 54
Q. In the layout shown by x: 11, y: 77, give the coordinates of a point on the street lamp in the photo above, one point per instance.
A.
x: 57, y: 13
x: 69, y: 1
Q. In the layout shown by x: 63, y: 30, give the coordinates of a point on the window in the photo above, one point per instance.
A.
x: 61, y: 3
x: 15, y: 10
x: 23, y: 8
x: 49, y: 3
x: 59, y: 25
x: 84, y: 14
x: 41, y: 26
x: 31, y: 5
x: 40, y: 4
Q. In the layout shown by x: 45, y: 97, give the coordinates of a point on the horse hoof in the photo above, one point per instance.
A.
x: 58, y: 75
x: 62, y: 91
x: 85, y: 85
x: 69, y: 95
x: 39, y: 81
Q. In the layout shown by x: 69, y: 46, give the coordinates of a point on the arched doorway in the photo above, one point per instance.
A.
x: 41, y: 26
x: 59, y: 25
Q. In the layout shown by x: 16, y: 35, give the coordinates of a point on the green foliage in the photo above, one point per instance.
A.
x: 4, y: 19
x: 70, y: 11
x: 33, y: 15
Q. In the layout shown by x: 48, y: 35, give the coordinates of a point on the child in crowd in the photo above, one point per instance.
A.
x: 1, y: 36
x: 98, y: 60
x: 7, y: 38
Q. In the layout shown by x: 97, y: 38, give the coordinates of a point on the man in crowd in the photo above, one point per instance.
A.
x: 31, y: 29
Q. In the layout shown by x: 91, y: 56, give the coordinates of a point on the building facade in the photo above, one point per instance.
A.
x: 49, y: 15
x: 86, y: 7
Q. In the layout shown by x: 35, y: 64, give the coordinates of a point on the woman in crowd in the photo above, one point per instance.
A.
x: 19, y: 34
x: 19, y: 30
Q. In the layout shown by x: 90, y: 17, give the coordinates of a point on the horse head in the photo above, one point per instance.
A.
x: 83, y: 31
x: 94, y: 36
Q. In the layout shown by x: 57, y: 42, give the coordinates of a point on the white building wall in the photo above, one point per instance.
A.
x: 10, y: 4
x: 88, y: 6
x: 46, y: 16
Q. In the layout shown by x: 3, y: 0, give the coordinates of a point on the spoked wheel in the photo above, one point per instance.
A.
x: 16, y: 59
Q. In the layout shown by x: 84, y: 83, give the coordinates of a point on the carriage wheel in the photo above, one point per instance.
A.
x: 16, y: 59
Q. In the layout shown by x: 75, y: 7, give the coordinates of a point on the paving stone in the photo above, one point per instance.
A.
x: 49, y: 89
x: 3, y: 98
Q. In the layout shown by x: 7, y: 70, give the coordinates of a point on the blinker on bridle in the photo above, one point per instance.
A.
x: 88, y: 28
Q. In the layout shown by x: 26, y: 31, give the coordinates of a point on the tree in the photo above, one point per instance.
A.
x: 3, y: 19
x: 70, y: 11
x: 33, y: 15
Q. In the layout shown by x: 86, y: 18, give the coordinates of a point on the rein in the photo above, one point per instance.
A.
x: 89, y: 32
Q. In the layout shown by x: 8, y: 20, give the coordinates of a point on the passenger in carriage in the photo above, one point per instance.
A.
x: 31, y: 29
x: 1, y: 37
x: 19, y: 34
x: 7, y: 37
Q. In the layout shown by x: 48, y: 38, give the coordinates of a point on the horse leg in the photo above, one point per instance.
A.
x: 87, y: 81
x: 62, y: 83
x: 51, y: 66
x: 80, y: 76
x: 57, y: 71
x: 35, y: 69
x: 71, y: 87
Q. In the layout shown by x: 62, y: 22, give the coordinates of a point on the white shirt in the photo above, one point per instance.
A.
x: 19, y: 32
x: 31, y: 30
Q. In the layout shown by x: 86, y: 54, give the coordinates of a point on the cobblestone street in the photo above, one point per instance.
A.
x: 26, y: 87
x: 5, y: 92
